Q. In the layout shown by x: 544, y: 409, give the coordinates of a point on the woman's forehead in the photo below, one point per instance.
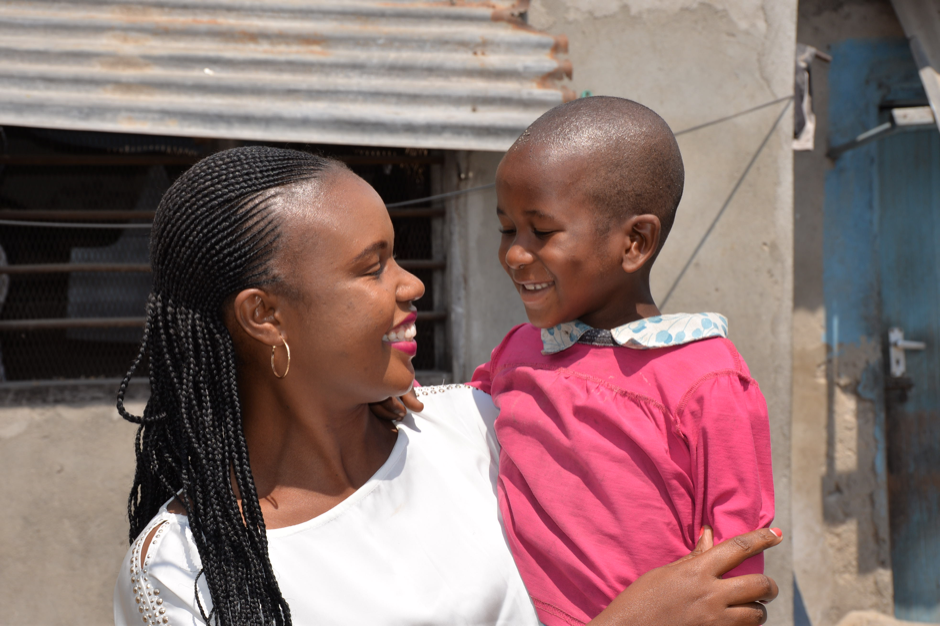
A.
x: 337, y: 217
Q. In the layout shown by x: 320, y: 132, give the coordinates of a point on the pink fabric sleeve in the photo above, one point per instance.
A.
x: 483, y: 375
x: 482, y: 378
x: 724, y: 418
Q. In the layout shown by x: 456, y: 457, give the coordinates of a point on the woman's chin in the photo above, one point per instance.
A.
x: 401, y: 382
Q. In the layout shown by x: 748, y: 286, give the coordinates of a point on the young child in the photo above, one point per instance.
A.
x: 623, y: 431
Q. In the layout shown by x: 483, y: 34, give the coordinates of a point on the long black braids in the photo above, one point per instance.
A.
x: 213, y: 236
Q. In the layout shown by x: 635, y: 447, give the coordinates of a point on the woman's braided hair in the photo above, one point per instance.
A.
x: 214, y: 235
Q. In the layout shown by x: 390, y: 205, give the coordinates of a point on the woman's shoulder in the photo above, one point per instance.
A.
x: 159, y: 575
x: 460, y: 408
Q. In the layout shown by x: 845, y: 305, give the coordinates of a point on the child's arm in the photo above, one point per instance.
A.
x: 724, y: 418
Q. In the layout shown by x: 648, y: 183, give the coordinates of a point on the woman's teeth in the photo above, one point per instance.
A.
x: 405, y: 333
x: 536, y: 286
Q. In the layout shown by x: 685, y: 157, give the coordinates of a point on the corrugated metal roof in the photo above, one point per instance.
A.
x: 921, y: 22
x: 455, y: 75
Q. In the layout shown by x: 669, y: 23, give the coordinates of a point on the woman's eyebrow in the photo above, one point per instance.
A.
x: 375, y: 248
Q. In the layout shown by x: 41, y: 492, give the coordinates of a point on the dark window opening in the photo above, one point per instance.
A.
x: 72, y: 300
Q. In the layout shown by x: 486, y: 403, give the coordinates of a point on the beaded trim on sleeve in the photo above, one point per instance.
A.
x: 427, y: 391
x: 147, y: 597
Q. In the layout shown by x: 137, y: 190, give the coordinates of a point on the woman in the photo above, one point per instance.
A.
x: 266, y: 490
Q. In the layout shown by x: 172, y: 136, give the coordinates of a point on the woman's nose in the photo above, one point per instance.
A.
x: 517, y: 256
x: 410, y: 288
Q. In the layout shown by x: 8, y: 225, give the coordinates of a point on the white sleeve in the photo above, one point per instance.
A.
x: 463, y: 407
x: 163, y: 589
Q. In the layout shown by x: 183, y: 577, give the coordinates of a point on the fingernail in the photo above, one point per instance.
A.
x: 777, y: 532
x: 701, y: 531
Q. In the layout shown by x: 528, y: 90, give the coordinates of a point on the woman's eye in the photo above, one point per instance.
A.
x: 377, y: 270
x: 541, y: 233
x: 507, y: 231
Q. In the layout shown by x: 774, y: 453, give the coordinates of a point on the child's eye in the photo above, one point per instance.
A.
x: 541, y: 233
x: 507, y: 231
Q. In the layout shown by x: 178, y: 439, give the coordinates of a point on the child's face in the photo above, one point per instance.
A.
x: 563, y: 267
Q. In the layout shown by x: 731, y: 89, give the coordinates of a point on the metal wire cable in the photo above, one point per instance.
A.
x: 727, y: 202
x: 734, y: 115
x: 393, y: 205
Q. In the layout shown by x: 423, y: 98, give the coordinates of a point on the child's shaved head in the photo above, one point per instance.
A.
x: 634, y: 165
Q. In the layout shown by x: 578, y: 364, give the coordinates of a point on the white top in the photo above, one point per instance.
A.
x: 420, y: 543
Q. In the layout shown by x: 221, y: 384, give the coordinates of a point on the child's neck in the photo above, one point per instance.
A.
x: 635, y: 307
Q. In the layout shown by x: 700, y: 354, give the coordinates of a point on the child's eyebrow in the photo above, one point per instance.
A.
x: 528, y: 213
x: 536, y: 213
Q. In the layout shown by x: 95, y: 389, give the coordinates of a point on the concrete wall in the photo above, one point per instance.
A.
x: 67, y: 470
x: 694, y: 61
x: 839, y: 518
x: 484, y: 303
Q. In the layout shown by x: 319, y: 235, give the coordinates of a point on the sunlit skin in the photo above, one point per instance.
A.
x: 550, y: 240
x: 311, y: 437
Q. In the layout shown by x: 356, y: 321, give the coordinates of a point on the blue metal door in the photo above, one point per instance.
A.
x: 908, y: 196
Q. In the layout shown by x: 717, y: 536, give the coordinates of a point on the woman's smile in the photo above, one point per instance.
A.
x: 402, y: 336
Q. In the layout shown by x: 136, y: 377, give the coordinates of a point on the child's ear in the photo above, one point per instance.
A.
x: 641, y: 239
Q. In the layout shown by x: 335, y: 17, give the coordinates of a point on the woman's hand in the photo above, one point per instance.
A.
x: 691, y: 592
x: 394, y: 408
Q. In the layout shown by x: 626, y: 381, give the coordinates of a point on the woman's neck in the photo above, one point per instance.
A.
x: 308, y: 455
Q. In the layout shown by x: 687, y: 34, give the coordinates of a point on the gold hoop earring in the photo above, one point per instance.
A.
x: 274, y: 369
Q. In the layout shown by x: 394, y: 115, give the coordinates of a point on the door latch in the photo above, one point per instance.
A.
x: 897, y: 345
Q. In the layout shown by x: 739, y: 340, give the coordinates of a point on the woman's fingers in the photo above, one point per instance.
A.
x: 752, y: 614
x: 706, y: 540
x: 750, y: 588
x: 729, y: 554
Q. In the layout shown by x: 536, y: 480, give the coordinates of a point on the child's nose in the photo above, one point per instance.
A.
x: 517, y: 256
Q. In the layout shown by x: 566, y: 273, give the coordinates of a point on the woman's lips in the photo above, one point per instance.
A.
x: 402, y: 337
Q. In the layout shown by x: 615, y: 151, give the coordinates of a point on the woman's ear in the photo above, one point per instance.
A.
x: 256, y: 312
x: 642, y: 234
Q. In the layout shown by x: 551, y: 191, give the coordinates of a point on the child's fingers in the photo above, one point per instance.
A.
x: 388, y: 409
x: 411, y: 401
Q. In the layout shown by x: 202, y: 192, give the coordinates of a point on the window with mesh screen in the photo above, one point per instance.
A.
x: 74, y: 215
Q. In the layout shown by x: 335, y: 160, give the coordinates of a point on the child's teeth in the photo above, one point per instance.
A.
x: 536, y: 286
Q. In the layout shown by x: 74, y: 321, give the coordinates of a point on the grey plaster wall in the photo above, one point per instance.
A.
x: 840, y: 564
x: 484, y: 303
x: 694, y: 61
x: 66, y: 474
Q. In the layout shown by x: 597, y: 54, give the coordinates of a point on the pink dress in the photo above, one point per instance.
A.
x: 614, y: 454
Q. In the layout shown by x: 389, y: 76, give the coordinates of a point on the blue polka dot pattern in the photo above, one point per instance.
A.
x: 659, y: 331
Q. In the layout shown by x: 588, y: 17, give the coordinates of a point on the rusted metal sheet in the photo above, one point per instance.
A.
x: 451, y: 75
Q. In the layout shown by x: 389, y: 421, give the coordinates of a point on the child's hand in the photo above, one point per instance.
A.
x: 394, y: 408
x: 691, y: 592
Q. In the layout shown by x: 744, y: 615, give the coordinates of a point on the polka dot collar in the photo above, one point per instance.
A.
x: 660, y: 331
